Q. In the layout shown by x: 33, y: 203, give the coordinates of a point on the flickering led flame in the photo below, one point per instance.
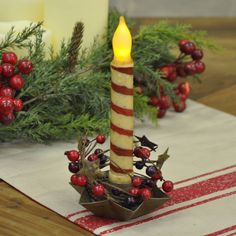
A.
x: 122, y: 43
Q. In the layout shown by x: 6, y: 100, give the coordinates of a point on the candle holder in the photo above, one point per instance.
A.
x: 118, y: 201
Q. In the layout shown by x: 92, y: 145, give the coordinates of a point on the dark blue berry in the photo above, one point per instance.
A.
x: 73, y: 167
x: 150, y: 183
x: 139, y: 165
x: 151, y: 170
x: 116, y: 192
x: 130, y: 201
x: 103, y: 159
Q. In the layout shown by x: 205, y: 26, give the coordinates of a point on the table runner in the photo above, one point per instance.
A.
x: 202, y: 145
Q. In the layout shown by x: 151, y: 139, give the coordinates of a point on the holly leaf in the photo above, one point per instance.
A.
x: 162, y: 158
x: 144, y: 141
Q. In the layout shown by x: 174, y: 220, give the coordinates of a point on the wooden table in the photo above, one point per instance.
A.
x: 19, y: 215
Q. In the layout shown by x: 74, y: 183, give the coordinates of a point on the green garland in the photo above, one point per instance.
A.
x: 61, y: 102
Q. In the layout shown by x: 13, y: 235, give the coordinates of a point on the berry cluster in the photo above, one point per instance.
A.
x: 90, y: 155
x: 188, y: 63
x: 87, y: 162
x: 11, y: 82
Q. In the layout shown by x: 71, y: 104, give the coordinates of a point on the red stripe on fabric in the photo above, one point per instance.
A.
x: 120, y: 151
x: 119, y: 170
x: 122, y: 131
x: 222, y: 231
x: 122, y: 111
x: 166, y: 213
x: 233, y: 234
x: 184, y: 194
x: 205, y: 174
x: 124, y: 70
x: 196, y: 177
x: 122, y: 89
x: 202, y: 188
x: 76, y: 213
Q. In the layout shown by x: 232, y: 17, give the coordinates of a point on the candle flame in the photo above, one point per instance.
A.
x: 122, y: 43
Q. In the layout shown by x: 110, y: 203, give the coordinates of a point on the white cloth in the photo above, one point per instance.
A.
x: 201, y: 140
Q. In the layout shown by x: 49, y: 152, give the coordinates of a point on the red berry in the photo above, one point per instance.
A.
x: 82, y: 180
x: 16, y: 82
x: 6, y: 92
x: 164, y: 102
x: 72, y: 155
x: 182, y: 42
x: 200, y: 67
x: 145, y: 193
x: 180, y: 70
x: 179, y: 107
x: 153, y: 101
x: 197, y: 54
x: 92, y: 157
x: 182, y: 97
x: 74, y: 179
x: 7, y: 70
x: 134, y: 191
x: 157, y: 175
x: 6, y: 105
x: 169, y: 72
x: 101, y: 138
x: 136, y: 181
x: 18, y: 104
x: 190, y: 68
x: 1, y: 69
x: 161, y: 112
x: 187, y: 48
x: 98, y: 190
x: 167, y: 186
x: 9, y: 57
x: 25, y: 66
x: 142, y: 152
x: 184, y: 88
x: 7, y: 119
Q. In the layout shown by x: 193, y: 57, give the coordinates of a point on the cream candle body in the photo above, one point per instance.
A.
x: 60, y: 17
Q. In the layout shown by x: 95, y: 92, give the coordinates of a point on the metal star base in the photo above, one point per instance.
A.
x: 109, y: 209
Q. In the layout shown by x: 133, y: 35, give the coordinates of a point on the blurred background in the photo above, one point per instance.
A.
x: 218, y: 18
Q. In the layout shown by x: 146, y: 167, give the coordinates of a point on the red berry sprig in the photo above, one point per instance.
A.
x: 188, y: 63
x: 11, y: 82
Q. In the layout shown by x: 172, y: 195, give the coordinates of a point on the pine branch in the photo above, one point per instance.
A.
x: 74, y: 47
x: 19, y: 40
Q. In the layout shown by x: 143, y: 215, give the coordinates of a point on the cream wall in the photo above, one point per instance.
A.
x: 176, y: 8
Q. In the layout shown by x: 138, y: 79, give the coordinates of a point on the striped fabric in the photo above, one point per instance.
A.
x: 202, y: 165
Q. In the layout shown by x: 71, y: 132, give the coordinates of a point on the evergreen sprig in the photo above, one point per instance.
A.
x: 59, y: 105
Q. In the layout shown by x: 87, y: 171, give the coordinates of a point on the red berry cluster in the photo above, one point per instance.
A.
x: 141, y: 187
x: 187, y: 64
x: 152, y: 171
x: 11, y: 82
x: 91, y: 155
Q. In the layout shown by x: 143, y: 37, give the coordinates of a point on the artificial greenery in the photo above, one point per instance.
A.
x: 63, y: 98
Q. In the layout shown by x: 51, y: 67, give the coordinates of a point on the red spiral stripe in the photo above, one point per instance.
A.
x: 119, y: 170
x: 120, y: 151
x: 122, y: 111
x: 121, y: 131
x: 124, y: 70
x: 122, y: 89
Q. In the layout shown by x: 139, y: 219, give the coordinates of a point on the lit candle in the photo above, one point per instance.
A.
x: 60, y: 17
x: 14, y: 10
x: 122, y: 120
